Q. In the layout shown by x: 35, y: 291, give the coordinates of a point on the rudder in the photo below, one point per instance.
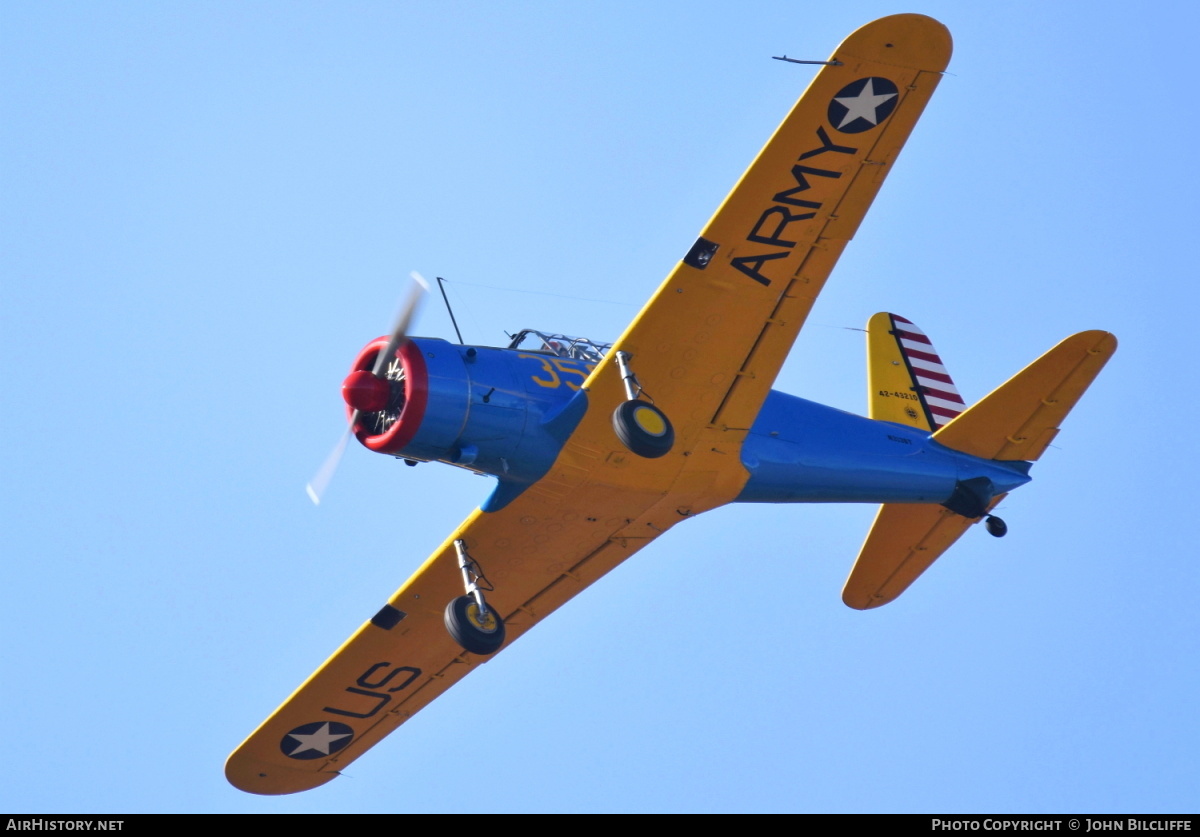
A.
x: 906, y: 380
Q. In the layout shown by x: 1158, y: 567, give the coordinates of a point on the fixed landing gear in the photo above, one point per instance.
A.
x: 641, y: 426
x: 472, y: 624
x: 476, y: 630
x: 996, y: 527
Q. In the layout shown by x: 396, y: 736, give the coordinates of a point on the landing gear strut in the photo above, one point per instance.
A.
x: 641, y: 426
x: 473, y: 625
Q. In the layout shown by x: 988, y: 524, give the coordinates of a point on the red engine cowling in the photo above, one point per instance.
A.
x: 389, y: 411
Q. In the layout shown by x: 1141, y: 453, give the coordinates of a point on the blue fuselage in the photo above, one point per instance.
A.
x: 508, y: 413
x: 799, y: 451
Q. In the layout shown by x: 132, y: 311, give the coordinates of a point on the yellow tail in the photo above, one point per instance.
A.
x: 1017, y: 421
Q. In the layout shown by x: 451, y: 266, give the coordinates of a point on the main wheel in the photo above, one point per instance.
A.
x: 643, y: 428
x: 478, y: 634
x: 996, y: 527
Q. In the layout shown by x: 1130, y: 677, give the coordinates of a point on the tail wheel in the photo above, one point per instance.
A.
x: 476, y: 632
x: 643, y: 428
x: 996, y: 527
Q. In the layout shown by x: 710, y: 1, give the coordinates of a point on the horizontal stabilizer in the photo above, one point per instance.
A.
x: 1020, y: 418
x: 904, y: 540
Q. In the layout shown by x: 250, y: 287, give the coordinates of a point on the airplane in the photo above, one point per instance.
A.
x: 597, y: 449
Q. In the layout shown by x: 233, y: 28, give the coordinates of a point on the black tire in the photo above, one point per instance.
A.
x: 643, y: 428
x: 996, y: 527
x: 463, y: 623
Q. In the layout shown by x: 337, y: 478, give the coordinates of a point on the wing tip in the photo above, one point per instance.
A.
x: 256, y: 776
x: 912, y: 40
x: 864, y: 599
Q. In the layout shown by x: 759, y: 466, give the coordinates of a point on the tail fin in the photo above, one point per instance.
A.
x: 1015, y: 422
x: 906, y: 381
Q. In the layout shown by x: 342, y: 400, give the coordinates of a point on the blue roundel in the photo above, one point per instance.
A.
x: 863, y: 104
x: 317, y: 740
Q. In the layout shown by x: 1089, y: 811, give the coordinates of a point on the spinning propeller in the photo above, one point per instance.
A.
x: 369, y: 391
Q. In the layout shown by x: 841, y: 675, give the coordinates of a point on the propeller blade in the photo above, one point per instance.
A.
x: 400, y: 330
x: 317, y: 485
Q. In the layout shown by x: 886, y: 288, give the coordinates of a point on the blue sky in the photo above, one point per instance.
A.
x: 208, y: 208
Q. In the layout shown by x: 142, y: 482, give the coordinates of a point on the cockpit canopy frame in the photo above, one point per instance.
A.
x: 562, y: 345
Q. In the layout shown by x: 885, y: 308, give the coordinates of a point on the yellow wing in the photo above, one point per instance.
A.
x: 539, y: 551
x: 709, y: 344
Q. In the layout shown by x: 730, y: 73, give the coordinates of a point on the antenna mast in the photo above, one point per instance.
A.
x: 454, y: 322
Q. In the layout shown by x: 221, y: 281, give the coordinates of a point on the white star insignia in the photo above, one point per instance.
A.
x: 863, y: 105
x: 319, y: 740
